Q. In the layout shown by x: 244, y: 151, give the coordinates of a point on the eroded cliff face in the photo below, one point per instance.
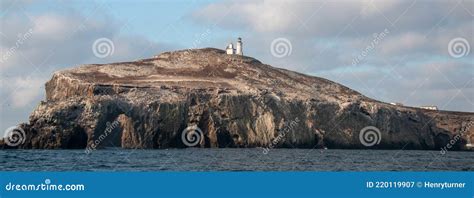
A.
x: 235, y: 101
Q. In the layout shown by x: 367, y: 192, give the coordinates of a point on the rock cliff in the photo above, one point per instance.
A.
x: 227, y: 101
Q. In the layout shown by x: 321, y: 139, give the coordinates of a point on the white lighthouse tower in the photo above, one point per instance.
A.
x: 239, y: 47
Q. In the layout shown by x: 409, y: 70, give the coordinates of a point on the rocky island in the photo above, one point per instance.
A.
x: 232, y: 100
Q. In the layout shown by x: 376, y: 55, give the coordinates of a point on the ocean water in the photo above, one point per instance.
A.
x: 196, y: 159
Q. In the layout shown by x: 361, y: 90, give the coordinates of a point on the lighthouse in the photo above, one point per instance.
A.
x: 239, y: 47
x: 238, y: 50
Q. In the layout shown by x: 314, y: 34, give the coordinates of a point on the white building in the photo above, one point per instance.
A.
x: 396, y: 103
x: 435, y: 108
x: 238, y: 50
x: 230, y: 49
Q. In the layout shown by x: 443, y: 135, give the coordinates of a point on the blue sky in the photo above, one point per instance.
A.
x: 410, y: 61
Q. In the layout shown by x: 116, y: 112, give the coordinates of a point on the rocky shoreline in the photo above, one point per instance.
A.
x: 224, y: 100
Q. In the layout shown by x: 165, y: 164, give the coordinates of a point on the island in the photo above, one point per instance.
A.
x: 226, y: 100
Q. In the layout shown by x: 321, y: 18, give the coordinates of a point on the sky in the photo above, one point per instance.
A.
x: 415, y: 52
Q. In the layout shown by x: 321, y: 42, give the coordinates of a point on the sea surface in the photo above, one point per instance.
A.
x: 198, y: 159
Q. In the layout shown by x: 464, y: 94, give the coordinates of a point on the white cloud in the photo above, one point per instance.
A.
x: 329, y: 18
x: 327, y: 35
x: 61, y: 37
